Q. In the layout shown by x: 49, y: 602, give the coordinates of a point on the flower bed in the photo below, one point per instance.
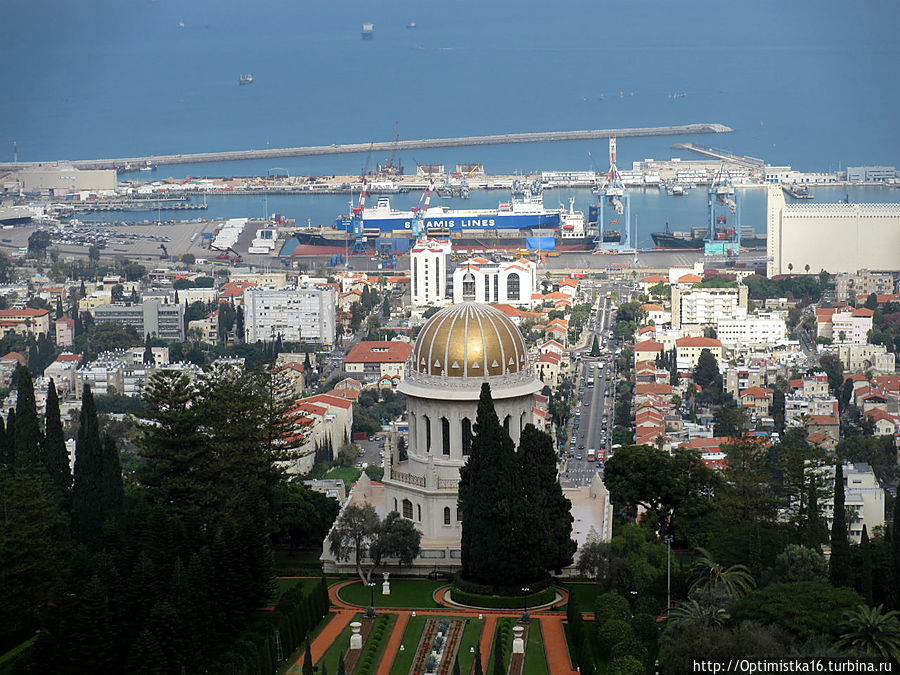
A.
x: 424, y: 647
x: 454, y: 634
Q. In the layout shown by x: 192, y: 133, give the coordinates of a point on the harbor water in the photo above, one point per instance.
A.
x: 815, y: 87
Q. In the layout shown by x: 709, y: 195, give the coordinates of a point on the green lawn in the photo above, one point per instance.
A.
x: 8, y: 658
x: 586, y: 595
x: 411, y: 635
x: 535, y: 659
x: 348, y: 474
x: 470, y: 638
x: 282, y: 586
x: 405, y: 593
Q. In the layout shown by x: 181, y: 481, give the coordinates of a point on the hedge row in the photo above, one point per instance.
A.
x: 502, y: 601
x: 485, y: 589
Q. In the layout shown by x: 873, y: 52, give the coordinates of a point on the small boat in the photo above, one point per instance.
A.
x: 368, y: 30
x: 181, y: 24
x: 246, y: 79
x: 411, y: 24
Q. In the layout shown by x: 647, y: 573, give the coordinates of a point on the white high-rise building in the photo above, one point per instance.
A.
x: 428, y: 272
x: 762, y: 329
x: 304, y: 314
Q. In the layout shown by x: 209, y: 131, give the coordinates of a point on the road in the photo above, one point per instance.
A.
x: 593, y: 422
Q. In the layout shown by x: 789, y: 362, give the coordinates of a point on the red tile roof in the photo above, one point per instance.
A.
x: 649, y: 346
x: 756, y: 392
x: 379, y: 352
x: 697, y: 342
x: 822, y: 420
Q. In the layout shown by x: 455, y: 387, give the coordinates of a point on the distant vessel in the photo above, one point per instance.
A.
x: 696, y: 238
x: 411, y: 24
x: 181, y: 24
x: 798, y: 191
x: 246, y: 79
x: 368, y: 31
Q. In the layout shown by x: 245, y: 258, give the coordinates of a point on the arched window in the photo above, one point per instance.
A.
x: 445, y: 435
x: 407, y: 509
x: 427, y: 434
x: 506, y: 423
x: 446, y: 515
x: 468, y: 286
x: 513, y: 287
x: 419, y: 511
x: 466, y: 436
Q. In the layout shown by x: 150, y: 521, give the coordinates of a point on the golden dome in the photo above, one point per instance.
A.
x: 469, y: 340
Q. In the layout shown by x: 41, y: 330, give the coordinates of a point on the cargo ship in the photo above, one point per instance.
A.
x: 696, y: 238
x: 523, y: 213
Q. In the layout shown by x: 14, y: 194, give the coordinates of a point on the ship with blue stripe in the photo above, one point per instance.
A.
x: 521, y: 213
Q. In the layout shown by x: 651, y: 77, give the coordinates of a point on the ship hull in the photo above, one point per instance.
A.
x: 461, y: 222
x: 666, y: 240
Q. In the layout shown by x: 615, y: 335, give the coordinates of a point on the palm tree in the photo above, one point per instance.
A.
x: 710, y: 575
x: 872, y: 632
x: 694, y: 613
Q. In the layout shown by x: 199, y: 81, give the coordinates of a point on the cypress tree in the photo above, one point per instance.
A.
x: 477, y: 669
x: 550, y: 518
x: 28, y: 438
x: 59, y: 307
x: 147, y: 657
x: 111, y: 490
x: 812, y: 536
x: 866, y: 580
x: 341, y: 670
x: 307, y: 660
x: 56, y: 456
x: 6, y: 451
x: 840, y: 546
x: 148, y: 350
x: 456, y: 670
x: 87, y: 491
x: 895, y: 551
x: 494, y: 510
x: 499, y: 665
x: 11, y: 439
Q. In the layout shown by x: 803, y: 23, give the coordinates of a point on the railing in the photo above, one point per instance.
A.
x: 408, y: 478
x: 448, y: 483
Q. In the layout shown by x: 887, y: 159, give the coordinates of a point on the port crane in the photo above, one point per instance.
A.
x: 359, y: 248
x: 418, y: 229
x: 612, y: 193
x: 723, y: 199
x: 389, y: 168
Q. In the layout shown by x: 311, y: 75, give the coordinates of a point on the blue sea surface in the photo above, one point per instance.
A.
x: 813, y: 85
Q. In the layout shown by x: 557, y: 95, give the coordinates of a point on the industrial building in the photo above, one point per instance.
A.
x: 155, y: 316
x: 56, y: 179
x: 839, y: 238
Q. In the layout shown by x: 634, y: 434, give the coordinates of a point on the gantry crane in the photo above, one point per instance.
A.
x: 418, y: 228
x: 359, y: 247
x: 722, y: 199
x: 388, y: 168
x: 612, y: 193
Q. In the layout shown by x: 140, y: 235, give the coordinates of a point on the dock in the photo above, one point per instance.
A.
x: 742, y: 160
x: 386, y: 146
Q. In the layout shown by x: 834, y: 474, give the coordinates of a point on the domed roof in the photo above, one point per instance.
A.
x: 469, y: 340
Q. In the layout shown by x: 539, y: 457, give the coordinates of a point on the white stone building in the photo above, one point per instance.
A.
x: 482, y: 280
x: 429, y: 260
x: 304, y: 314
x: 762, y: 329
x: 707, y: 305
x: 863, y: 494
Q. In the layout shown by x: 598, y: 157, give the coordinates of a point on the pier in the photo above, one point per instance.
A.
x: 741, y: 160
x: 351, y: 148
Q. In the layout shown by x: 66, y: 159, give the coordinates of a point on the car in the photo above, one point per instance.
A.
x: 359, y: 465
x: 587, y: 402
x: 579, y: 456
x: 581, y: 447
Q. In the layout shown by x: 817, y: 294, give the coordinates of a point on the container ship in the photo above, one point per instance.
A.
x: 697, y: 238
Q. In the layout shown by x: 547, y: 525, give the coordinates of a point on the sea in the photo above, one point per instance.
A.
x: 810, y: 85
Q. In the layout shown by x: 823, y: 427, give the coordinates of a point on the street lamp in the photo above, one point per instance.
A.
x: 370, y: 610
x: 668, y: 540
x: 525, y: 618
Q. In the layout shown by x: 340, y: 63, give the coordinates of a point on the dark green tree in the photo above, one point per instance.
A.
x: 7, y: 459
x: 814, y: 530
x: 55, y: 455
x: 495, y: 513
x: 477, y: 669
x: 499, y: 665
x: 865, y: 581
x: 707, y: 370
x: 147, y: 656
x: 840, y: 545
x: 87, y: 489
x: 112, y: 491
x: 10, y: 450
x: 92, y: 630
x: 895, y: 552
x: 171, y: 444
x: 307, y: 660
x: 148, y: 350
x: 551, y: 518
x: 595, y: 347
x: 28, y: 438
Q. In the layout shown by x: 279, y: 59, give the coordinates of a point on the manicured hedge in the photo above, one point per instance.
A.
x: 485, y: 589
x: 502, y: 601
